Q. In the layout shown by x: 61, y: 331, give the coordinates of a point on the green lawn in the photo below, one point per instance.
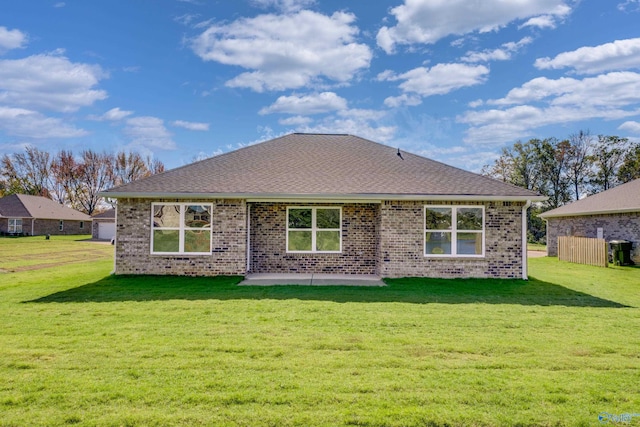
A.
x: 81, y: 347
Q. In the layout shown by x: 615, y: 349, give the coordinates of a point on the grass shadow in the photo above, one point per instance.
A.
x: 407, y: 290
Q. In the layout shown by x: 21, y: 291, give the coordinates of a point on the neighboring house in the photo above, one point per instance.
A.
x: 612, y: 215
x: 104, y: 225
x: 311, y: 203
x: 21, y: 214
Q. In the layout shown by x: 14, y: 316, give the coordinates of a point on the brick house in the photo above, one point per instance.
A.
x: 313, y: 203
x: 21, y: 214
x: 611, y: 215
x: 104, y: 225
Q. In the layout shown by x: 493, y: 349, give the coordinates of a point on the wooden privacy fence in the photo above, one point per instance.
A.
x: 583, y: 250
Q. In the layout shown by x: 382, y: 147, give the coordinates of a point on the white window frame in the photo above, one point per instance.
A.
x: 14, y: 228
x: 314, y: 230
x: 453, y: 231
x: 182, y: 228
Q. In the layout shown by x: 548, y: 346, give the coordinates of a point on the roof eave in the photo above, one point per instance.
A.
x: 256, y: 197
x: 598, y: 212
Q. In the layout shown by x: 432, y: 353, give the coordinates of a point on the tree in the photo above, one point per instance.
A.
x: 552, y: 162
x: 608, y: 155
x: 579, y: 161
x: 94, y: 174
x: 27, y: 172
x: 64, y: 172
x: 128, y: 167
x: 630, y: 168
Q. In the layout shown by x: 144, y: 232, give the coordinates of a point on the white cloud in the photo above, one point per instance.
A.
x: 362, y: 114
x: 618, y: 55
x: 25, y: 123
x: 605, y: 90
x: 437, y: 80
x: 353, y: 127
x: 541, y: 102
x: 286, y: 51
x: 191, y: 125
x: 11, y: 39
x: 49, y: 82
x: 149, y: 132
x: 629, y: 5
x: 543, y: 21
x: 404, y: 99
x: 286, y: 6
x: 308, y: 104
x: 503, y: 53
x: 427, y: 21
x: 113, y: 115
x: 295, y: 121
x: 630, y: 126
x: 60, y: 4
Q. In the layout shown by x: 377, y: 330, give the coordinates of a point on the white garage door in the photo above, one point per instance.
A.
x: 106, y: 230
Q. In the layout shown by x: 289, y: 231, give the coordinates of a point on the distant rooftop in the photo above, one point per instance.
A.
x: 620, y: 199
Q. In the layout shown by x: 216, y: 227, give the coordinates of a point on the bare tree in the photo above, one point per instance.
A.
x: 27, y: 172
x: 95, y: 174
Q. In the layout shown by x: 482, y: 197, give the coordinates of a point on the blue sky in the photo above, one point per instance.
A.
x: 452, y: 80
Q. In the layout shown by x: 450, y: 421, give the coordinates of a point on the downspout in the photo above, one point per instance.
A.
x: 525, y: 275
x: 248, y: 228
x: 115, y: 240
x: 33, y: 221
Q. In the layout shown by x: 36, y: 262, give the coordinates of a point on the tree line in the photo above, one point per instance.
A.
x: 566, y: 170
x: 75, y: 181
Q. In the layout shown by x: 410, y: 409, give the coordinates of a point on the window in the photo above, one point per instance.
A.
x: 316, y: 229
x: 81, y: 225
x: 454, y: 231
x: 61, y: 225
x: 15, y: 225
x: 181, y: 228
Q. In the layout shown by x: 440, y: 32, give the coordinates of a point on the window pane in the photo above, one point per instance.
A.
x: 300, y: 218
x: 438, y: 243
x: 166, y: 240
x: 197, y: 217
x: 469, y: 243
x: 299, y: 241
x: 166, y: 216
x: 328, y: 218
x: 469, y: 218
x: 328, y: 241
x: 438, y: 218
x: 197, y: 241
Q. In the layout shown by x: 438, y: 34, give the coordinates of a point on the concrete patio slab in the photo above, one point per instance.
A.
x: 272, y: 279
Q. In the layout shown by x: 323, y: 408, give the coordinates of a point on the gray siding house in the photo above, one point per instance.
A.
x: 315, y: 203
x: 612, y: 215
x: 22, y: 214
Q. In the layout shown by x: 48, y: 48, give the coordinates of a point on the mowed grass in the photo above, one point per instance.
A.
x: 81, y: 347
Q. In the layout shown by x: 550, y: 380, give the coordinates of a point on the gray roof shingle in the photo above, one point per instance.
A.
x: 320, y: 165
x: 25, y: 206
x: 623, y: 198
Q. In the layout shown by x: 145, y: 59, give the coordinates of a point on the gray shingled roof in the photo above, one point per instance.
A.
x: 108, y: 214
x: 623, y: 198
x: 25, y: 206
x: 323, y: 166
